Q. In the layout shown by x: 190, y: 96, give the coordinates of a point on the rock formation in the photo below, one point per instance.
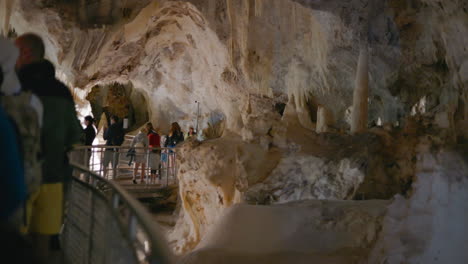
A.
x: 300, y: 232
x: 361, y: 93
x: 430, y: 226
x: 275, y: 80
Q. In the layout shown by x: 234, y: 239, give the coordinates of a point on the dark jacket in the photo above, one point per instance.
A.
x: 39, y: 78
x: 61, y: 128
x: 114, y: 135
x: 89, y: 135
x: 173, y: 140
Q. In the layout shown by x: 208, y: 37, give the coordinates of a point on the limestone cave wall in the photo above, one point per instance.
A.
x: 266, y: 73
x: 276, y: 50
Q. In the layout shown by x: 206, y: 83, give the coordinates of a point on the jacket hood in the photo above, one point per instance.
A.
x: 37, y: 72
x: 40, y: 78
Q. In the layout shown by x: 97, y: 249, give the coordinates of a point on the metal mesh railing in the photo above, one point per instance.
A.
x: 104, y: 224
x: 117, y: 162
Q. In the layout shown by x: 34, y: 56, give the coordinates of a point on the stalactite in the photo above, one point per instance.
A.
x: 243, y: 28
x: 297, y: 83
x: 316, y: 50
x: 212, y: 10
x: 82, y: 12
x: 294, y: 18
x: 261, y: 76
x: 258, y: 8
x: 8, y: 6
x: 309, y: 73
x: 361, y: 93
x: 231, y: 23
x: 295, y: 86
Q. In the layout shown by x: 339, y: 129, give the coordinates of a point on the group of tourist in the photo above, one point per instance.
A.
x: 149, y: 139
x: 39, y: 126
x: 144, y: 150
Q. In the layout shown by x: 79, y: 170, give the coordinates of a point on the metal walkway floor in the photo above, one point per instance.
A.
x: 144, y: 190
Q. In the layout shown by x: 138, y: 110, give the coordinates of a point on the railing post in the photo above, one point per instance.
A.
x: 85, y: 151
x: 168, y: 158
x: 91, y: 226
x: 115, y: 201
x: 147, y: 169
x: 175, y: 168
x: 132, y: 226
x: 91, y: 159
x: 101, y: 164
x: 113, y: 165
x: 115, y: 173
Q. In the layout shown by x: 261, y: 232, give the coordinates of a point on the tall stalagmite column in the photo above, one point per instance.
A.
x: 322, y: 121
x: 361, y: 92
x: 7, y: 9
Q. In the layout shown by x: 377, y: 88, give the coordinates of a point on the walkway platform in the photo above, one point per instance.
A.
x: 144, y: 190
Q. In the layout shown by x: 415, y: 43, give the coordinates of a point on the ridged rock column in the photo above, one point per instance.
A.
x: 361, y: 93
x: 322, y: 120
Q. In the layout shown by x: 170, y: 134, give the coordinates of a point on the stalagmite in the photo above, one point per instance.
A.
x: 321, y: 120
x: 361, y: 93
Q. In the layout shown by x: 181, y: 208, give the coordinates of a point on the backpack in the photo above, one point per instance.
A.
x: 25, y: 118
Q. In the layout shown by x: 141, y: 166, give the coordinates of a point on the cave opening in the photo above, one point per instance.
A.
x: 121, y: 100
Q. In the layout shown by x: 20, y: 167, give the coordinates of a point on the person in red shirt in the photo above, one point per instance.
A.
x: 155, y: 152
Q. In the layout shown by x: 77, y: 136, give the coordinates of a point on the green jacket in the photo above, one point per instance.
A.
x: 60, y: 131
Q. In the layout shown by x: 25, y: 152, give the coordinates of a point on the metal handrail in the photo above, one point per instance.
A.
x: 168, y: 168
x: 153, y: 248
x: 114, y: 147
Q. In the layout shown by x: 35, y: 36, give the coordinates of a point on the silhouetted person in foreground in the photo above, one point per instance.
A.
x: 13, y: 188
x: 25, y: 111
x: 60, y: 131
x: 12, y: 184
